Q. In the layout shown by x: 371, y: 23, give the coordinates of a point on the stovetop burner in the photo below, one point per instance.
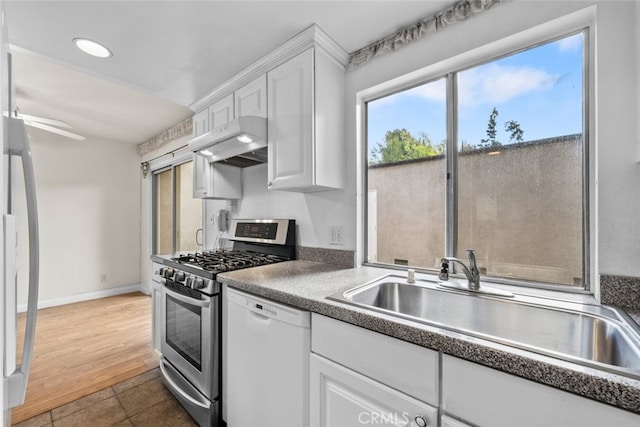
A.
x: 256, y: 242
x: 221, y: 261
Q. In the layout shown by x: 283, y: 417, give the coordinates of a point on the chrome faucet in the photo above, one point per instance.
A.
x: 472, y: 272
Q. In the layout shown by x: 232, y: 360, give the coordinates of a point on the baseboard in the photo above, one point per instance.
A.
x: 86, y: 296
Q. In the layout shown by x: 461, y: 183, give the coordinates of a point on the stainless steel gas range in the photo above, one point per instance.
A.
x: 191, y: 326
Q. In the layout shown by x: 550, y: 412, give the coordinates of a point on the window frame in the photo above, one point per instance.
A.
x: 582, y: 21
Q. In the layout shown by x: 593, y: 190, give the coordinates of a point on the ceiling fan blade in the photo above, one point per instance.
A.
x: 44, y: 120
x: 55, y: 130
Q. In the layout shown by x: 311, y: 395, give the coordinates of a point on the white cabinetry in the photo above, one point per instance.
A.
x: 251, y: 99
x: 221, y: 112
x: 342, y: 397
x: 486, y: 397
x: 215, y: 180
x: 200, y: 123
x: 201, y: 176
x: 360, y: 377
x: 306, y: 123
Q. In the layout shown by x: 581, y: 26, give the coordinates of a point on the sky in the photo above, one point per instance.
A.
x: 540, y: 88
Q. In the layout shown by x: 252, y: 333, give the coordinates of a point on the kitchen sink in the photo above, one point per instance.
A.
x: 592, y: 335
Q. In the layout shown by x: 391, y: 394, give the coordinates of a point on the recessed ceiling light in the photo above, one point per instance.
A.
x: 92, y: 48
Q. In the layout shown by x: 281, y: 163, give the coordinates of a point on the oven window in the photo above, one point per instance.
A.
x: 184, y: 332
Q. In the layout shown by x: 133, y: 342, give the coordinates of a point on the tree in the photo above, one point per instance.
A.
x: 513, y: 128
x: 491, y: 131
x: 400, y: 145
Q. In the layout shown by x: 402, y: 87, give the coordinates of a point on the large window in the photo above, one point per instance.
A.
x: 177, y: 215
x: 492, y: 158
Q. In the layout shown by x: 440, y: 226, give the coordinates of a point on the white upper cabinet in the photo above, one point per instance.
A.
x: 306, y: 123
x: 201, y: 176
x: 200, y: 123
x: 299, y: 88
x: 221, y: 112
x: 215, y: 180
x: 251, y: 99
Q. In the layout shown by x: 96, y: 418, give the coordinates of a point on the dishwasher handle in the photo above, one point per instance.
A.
x: 269, y: 309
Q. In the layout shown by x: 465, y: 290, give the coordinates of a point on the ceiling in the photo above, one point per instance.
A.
x: 166, y: 54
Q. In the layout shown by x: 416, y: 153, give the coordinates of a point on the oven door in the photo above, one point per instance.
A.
x: 189, y: 337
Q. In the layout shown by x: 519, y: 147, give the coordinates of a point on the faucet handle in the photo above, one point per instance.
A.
x: 444, y: 270
x: 472, y: 262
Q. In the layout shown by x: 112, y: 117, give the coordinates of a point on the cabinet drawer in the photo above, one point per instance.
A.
x: 488, y: 397
x: 399, y: 364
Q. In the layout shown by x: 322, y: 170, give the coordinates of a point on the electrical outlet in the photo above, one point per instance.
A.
x: 103, y: 278
x: 336, y: 235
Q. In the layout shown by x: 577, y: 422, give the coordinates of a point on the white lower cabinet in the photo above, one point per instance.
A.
x: 360, y: 377
x: 486, y: 397
x: 342, y: 397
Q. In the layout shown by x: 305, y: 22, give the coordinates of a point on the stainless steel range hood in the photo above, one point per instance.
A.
x: 241, y: 142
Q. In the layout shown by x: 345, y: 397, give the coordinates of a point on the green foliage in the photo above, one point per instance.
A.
x: 400, y: 145
x: 491, y: 130
x: 513, y: 127
x: 516, y: 133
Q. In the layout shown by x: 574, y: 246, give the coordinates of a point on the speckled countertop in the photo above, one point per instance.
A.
x: 306, y: 285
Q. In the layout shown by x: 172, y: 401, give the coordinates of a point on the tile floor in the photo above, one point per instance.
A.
x: 139, y: 401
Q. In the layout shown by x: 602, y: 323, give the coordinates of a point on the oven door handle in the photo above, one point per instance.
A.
x: 179, y: 390
x: 187, y: 300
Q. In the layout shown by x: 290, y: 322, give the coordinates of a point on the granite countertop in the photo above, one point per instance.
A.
x: 306, y: 284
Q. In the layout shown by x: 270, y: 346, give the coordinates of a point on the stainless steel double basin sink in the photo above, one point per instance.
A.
x: 592, y: 335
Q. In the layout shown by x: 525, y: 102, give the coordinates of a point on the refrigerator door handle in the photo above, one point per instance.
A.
x: 19, y: 145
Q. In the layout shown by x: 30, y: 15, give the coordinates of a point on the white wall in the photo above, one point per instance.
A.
x: 89, y: 211
x: 314, y: 212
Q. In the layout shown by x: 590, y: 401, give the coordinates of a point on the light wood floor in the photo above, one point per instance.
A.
x: 86, y: 347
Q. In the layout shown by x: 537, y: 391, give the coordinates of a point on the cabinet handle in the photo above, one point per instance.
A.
x: 420, y: 421
x: 270, y: 184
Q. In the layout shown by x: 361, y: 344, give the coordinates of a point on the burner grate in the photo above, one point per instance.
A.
x: 221, y: 261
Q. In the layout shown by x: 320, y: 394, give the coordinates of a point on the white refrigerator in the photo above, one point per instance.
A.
x: 18, y: 184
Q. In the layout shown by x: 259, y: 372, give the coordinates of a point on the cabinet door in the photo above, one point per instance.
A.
x: 200, y: 123
x: 251, y: 99
x: 221, y: 112
x: 342, y: 397
x: 488, y: 397
x: 201, y: 176
x: 290, y: 134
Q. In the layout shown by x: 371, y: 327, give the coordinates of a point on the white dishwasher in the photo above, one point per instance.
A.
x: 268, y: 347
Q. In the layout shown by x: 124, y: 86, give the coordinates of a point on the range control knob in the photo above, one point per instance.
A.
x: 188, y: 282
x: 168, y: 273
x: 198, y: 283
x: 180, y: 276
